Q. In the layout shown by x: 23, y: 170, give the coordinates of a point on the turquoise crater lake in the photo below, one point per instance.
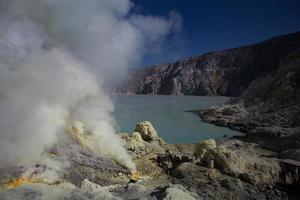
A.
x: 168, y: 115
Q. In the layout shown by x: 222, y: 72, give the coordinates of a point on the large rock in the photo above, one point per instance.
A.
x: 241, y: 160
x: 135, y: 141
x: 42, y: 191
x: 95, y: 191
x: 203, y: 147
x: 178, y: 192
x: 147, y: 131
x: 211, y: 184
x: 137, y: 138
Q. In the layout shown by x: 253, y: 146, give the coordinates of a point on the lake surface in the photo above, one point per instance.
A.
x: 169, y: 117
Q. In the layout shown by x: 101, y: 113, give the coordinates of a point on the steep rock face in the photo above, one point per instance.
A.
x: 268, y: 111
x: 226, y: 72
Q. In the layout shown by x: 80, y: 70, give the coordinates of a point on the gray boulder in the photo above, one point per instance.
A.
x: 148, y: 132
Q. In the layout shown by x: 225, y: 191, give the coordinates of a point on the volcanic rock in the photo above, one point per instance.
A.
x: 241, y: 160
x: 226, y: 73
x: 167, y: 171
x: 179, y: 192
x: 268, y: 111
x: 147, y: 132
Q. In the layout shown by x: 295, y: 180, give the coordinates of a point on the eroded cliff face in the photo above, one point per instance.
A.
x: 268, y: 111
x: 228, y: 72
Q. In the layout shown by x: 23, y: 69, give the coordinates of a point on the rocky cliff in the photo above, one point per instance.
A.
x: 228, y: 72
x: 268, y: 111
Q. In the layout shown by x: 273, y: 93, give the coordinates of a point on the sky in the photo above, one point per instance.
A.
x: 209, y: 25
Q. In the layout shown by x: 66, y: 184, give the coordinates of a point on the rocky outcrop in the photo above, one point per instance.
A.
x: 147, y: 131
x: 268, y: 111
x: 228, y: 72
x: 241, y: 160
x: 143, y: 138
x: 211, y: 184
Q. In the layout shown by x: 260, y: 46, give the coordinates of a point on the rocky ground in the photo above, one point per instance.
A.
x: 268, y: 111
x: 224, y: 169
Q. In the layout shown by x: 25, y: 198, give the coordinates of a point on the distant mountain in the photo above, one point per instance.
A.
x: 228, y: 72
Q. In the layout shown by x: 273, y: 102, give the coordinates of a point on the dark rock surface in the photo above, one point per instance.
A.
x: 228, y: 72
x: 268, y: 111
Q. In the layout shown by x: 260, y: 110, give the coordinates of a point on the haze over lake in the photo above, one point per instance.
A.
x: 169, y: 117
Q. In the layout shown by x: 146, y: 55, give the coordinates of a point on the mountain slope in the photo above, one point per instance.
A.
x: 228, y: 72
x: 268, y: 111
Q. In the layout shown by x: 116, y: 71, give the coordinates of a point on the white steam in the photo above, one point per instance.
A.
x: 56, y: 58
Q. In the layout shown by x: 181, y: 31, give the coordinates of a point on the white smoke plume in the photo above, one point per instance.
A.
x: 56, y: 59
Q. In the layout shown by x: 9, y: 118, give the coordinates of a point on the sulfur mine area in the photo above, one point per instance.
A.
x: 224, y: 169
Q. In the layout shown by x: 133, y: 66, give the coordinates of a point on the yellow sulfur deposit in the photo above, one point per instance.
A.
x: 135, y: 176
x: 17, y: 182
x: 75, y: 131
